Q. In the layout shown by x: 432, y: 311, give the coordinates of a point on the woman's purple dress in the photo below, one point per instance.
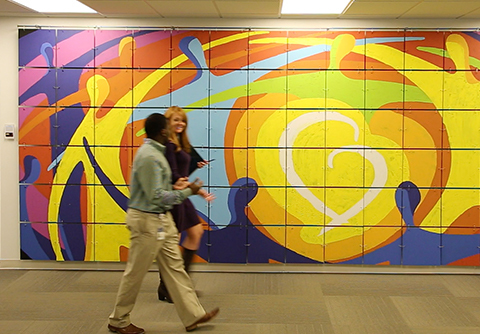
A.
x: 184, y: 215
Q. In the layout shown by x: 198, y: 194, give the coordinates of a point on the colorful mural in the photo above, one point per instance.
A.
x: 354, y: 147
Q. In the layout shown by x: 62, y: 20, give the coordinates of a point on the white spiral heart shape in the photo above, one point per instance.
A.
x: 288, y: 137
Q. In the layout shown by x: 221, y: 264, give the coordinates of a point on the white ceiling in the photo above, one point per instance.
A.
x: 255, y: 9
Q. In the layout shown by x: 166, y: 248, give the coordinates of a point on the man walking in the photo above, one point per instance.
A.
x: 153, y: 234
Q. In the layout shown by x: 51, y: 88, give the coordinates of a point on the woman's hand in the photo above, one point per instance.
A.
x: 201, y: 164
x: 209, y: 197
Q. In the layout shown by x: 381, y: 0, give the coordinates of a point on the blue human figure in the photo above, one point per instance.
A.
x: 241, y: 241
x: 420, y: 246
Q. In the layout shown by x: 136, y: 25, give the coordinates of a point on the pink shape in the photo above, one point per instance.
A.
x: 108, y: 35
x: 73, y: 47
x: 105, y: 56
x: 25, y: 111
x: 27, y: 77
x: 42, y: 229
x: 102, y: 37
x: 140, y: 41
x: 84, y: 227
x: 83, y: 42
x: 21, y: 173
x: 35, y: 100
x: 105, y: 36
x: 39, y: 61
x: 37, y: 205
x: 151, y: 38
x: 62, y: 244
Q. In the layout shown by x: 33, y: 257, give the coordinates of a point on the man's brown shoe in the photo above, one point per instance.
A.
x: 130, y: 329
x: 207, y: 317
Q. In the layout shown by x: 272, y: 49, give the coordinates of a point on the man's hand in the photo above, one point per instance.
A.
x: 181, y: 183
x: 196, y: 185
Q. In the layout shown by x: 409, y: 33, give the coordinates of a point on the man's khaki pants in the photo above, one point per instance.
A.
x: 146, y: 245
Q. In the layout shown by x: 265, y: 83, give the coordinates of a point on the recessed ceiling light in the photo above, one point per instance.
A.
x: 55, y: 6
x: 309, y: 7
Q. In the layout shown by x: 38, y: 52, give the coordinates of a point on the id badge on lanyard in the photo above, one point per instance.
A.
x: 160, y: 230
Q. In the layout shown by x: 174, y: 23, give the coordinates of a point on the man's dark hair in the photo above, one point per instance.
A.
x: 154, y: 124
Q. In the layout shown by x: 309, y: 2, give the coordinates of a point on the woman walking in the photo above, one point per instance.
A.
x: 178, y: 151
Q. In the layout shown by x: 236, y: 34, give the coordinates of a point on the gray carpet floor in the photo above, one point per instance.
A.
x: 59, y: 301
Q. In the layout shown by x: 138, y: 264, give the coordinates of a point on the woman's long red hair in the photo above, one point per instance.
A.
x: 181, y: 141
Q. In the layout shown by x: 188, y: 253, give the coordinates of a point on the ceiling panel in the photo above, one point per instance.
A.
x: 365, y: 9
x: 248, y: 7
x: 185, y: 8
x: 121, y: 7
x: 452, y: 1
x: 9, y: 7
x: 472, y: 15
x: 389, y: 9
x: 442, y: 10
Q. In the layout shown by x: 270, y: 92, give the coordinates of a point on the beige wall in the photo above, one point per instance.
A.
x: 9, y: 188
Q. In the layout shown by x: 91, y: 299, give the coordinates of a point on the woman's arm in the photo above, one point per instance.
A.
x: 209, y: 197
x: 171, y: 156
